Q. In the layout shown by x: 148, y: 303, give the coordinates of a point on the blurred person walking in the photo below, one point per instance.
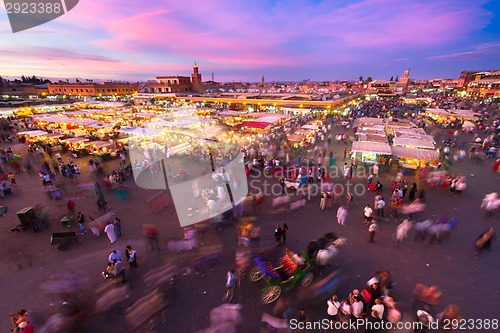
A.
x: 278, y: 232
x: 284, y: 231
x: 151, y: 234
x: 131, y: 256
x: 81, y: 223
x: 342, y: 215
x: 372, y: 229
x: 110, y: 231
x: 118, y: 226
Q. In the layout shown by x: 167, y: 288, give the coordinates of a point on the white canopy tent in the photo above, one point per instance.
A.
x: 100, y: 144
x: 74, y: 140
x: 421, y: 154
x: 468, y: 124
x: 310, y: 127
x: 33, y: 133
x: 371, y: 147
x: 141, y: 131
x: 426, y: 142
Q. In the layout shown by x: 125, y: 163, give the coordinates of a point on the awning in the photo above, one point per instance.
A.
x: 33, y: 133
x: 310, y: 127
x: 99, y: 144
x: 468, y: 124
x: 255, y: 124
x: 75, y: 140
x: 425, y: 142
x: 371, y: 147
x: 54, y: 136
x: 420, y: 154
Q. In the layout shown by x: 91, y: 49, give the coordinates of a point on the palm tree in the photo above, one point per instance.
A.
x: 369, y: 79
x: 360, y: 79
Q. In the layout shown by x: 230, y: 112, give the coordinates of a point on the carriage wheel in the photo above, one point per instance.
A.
x: 271, y: 294
x: 255, y: 275
x: 307, y: 279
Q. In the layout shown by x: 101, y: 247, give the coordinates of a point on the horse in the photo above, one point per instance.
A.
x: 320, y: 244
x: 325, y: 257
x: 402, y: 230
x: 441, y: 232
x: 491, y: 204
x: 421, y: 229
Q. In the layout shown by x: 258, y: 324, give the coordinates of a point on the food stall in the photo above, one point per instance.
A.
x: 412, y: 158
x: 53, y: 140
x: 370, y: 152
x: 76, y: 146
x: 32, y: 137
x: 103, y: 149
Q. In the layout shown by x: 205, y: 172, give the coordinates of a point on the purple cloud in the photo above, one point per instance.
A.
x: 480, y: 51
x: 242, y: 37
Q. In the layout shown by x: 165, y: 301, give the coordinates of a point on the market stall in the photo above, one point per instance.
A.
x: 370, y: 152
x: 76, y: 146
x: 413, y: 158
x: 103, y: 149
x: 53, y: 140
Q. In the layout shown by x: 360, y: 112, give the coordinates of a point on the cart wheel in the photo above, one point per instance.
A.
x: 63, y: 246
x: 307, y: 279
x: 255, y: 275
x: 271, y: 294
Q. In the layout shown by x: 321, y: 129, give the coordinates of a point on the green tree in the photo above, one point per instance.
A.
x: 392, y: 78
x: 369, y: 79
x: 360, y: 79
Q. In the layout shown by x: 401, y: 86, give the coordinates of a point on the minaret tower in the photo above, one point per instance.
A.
x: 196, y: 79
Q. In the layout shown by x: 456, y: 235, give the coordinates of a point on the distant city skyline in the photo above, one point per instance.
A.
x: 241, y: 41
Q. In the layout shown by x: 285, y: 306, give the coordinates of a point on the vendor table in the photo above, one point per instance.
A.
x: 105, y: 156
x: 28, y: 218
x: 67, y: 220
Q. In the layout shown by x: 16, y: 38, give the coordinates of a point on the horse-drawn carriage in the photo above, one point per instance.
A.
x: 292, y: 269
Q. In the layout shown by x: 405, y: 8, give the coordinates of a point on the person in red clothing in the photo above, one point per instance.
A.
x: 26, y: 327
x: 71, y: 207
x: 17, y: 319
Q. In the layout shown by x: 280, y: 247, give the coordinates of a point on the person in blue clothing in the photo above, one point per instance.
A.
x: 118, y: 226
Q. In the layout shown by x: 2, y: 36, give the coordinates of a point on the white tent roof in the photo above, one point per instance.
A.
x: 371, y: 147
x: 99, y: 126
x: 466, y: 114
x: 75, y: 140
x: 359, y: 122
x: 412, y: 142
x: 310, y: 127
x: 468, y: 124
x: 269, y: 119
x: 421, y: 154
x: 33, y: 133
x: 232, y: 113
x: 99, y: 144
x: 140, y: 131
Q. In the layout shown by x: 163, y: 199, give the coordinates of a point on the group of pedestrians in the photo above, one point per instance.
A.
x: 113, y: 230
x: 374, y: 303
x: 115, y: 267
x: 280, y: 234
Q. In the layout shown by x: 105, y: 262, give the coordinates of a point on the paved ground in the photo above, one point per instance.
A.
x: 472, y: 282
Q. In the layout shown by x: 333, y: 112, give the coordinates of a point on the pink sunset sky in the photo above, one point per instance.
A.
x: 242, y: 40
